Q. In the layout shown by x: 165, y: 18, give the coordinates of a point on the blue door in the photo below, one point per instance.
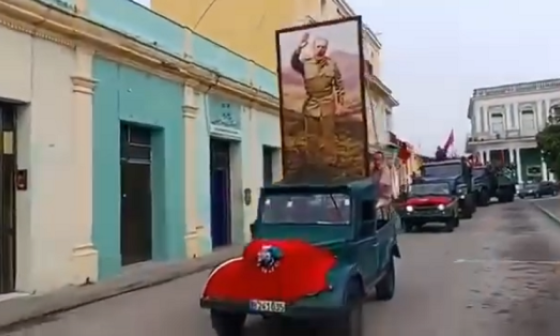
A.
x: 220, y: 193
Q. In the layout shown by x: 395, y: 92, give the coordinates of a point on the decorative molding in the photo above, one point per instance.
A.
x: 190, y: 111
x: 68, y: 29
x: 518, y: 88
x: 374, y: 83
x: 30, y: 29
x: 83, y: 84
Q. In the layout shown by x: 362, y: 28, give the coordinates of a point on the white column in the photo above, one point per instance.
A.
x: 518, y: 165
x: 544, y: 169
x: 511, y: 155
x: 84, y: 254
x: 192, y: 229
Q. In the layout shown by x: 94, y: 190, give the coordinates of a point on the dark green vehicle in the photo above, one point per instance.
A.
x: 456, y: 172
x: 430, y: 203
x: 494, y: 181
x: 296, y: 224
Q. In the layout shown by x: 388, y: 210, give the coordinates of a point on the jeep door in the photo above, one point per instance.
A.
x: 386, y: 234
x: 367, y: 243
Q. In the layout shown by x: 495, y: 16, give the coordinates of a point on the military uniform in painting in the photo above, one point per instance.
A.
x: 325, y: 92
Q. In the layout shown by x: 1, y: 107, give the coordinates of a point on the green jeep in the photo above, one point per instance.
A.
x: 339, y: 220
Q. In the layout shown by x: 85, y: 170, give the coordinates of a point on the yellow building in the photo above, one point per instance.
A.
x: 251, y: 33
x: 248, y: 27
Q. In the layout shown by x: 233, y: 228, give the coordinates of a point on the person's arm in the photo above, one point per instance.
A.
x: 338, y: 85
x: 295, y: 62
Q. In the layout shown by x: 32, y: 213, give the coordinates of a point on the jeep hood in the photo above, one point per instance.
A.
x: 285, y: 270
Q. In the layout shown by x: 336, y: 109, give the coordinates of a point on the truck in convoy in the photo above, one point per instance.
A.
x: 321, y: 243
x: 458, y: 174
x: 493, y: 181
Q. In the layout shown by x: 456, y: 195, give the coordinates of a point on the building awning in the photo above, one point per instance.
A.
x: 373, y: 82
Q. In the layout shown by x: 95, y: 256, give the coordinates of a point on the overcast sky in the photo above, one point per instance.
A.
x: 435, y: 52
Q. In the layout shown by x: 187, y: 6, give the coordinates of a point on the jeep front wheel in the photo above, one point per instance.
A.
x: 350, y: 323
x: 227, y: 324
x: 451, y: 224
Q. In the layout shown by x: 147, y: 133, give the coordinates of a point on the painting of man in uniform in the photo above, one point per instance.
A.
x: 322, y: 110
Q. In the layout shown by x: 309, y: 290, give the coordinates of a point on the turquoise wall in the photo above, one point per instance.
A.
x: 126, y: 94
x: 221, y: 119
x: 161, y: 33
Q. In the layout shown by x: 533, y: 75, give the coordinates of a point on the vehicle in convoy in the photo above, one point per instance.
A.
x: 317, y: 252
x: 493, y: 181
x: 537, y: 190
x: 458, y: 174
x: 430, y: 203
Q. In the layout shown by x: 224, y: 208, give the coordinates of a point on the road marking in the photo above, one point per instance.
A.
x: 498, y: 261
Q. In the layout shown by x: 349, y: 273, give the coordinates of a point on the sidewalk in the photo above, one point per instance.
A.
x: 23, y: 309
x: 550, y: 207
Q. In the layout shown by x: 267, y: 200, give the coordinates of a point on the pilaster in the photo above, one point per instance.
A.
x: 518, y: 165
x: 84, y: 254
x: 252, y: 169
x: 190, y: 114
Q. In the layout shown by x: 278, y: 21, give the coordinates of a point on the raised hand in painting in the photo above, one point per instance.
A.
x: 304, y: 40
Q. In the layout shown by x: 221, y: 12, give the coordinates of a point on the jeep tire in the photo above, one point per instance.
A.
x: 407, y: 226
x: 226, y: 323
x: 385, y: 289
x: 350, y: 323
x: 483, y: 198
x: 468, y: 207
x: 451, y: 224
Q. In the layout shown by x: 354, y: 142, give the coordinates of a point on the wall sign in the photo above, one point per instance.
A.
x: 223, y: 118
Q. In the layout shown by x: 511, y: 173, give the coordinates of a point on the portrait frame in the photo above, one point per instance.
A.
x: 361, y: 85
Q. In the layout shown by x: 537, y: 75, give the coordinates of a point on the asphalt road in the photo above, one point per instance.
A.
x: 497, y: 275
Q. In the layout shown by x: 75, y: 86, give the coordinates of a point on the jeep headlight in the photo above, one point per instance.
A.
x: 441, y: 207
x: 462, y: 189
x: 409, y: 208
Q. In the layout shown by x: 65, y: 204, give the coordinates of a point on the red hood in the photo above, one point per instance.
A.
x: 301, y: 270
x: 429, y: 200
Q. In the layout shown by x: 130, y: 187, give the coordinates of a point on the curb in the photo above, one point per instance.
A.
x: 547, y: 213
x: 20, y: 312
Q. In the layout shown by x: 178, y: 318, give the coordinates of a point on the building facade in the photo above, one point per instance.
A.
x: 124, y: 149
x: 260, y: 22
x: 504, y: 123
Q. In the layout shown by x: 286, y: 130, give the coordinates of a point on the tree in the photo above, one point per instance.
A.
x: 548, y: 141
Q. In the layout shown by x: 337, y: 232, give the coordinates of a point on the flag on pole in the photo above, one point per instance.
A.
x: 450, y: 141
x: 404, y: 153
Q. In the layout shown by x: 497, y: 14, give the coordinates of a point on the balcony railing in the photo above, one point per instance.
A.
x: 504, y: 135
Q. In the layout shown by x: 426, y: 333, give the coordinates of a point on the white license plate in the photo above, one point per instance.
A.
x: 267, y: 306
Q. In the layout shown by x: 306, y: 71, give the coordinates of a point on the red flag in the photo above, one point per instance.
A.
x: 404, y: 153
x: 449, y: 142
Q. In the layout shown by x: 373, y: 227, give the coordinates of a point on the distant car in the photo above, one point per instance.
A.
x: 537, y: 190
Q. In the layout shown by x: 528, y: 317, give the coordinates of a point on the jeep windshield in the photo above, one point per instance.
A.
x: 448, y: 170
x: 306, y: 209
x: 428, y: 189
